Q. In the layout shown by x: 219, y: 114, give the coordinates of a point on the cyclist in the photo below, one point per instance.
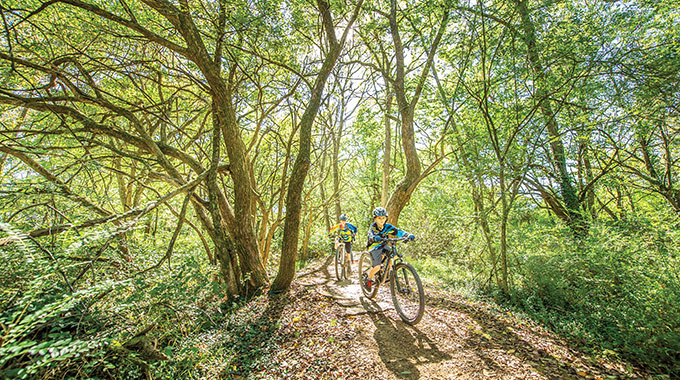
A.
x: 377, y: 232
x: 346, y: 232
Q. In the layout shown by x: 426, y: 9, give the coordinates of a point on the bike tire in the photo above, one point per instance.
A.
x: 339, y: 265
x: 408, y: 295
x: 365, y: 265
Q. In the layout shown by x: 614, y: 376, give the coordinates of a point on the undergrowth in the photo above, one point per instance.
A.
x: 615, y: 293
x: 75, y: 309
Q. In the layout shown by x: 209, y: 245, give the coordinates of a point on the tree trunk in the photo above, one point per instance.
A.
x: 575, y: 219
x: 326, y: 216
x: 402, y: 192
x: 387, y: 152
x: 480, y: 209
x: 240, y: 222
x: 336, y: 171
x: 223, y: 245
x: 302, y: 161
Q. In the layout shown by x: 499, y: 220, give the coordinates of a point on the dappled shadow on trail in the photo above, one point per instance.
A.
x: 402, y: 348
x: 501, y: 343
x: 456, y: 339
x: 319, y: 275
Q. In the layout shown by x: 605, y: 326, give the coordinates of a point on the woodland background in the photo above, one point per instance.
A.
x: 164, y: 161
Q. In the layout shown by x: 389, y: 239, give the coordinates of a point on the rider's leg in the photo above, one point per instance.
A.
x: 348, y: 251
x: 376, y: 259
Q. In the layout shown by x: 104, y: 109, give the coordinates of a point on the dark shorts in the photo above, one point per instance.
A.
x: 377, y: 255
x: 348, y: 246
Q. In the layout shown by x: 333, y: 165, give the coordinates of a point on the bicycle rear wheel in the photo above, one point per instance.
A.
x: 339, y: 262
x: 365, y: 265
x: 407, y: 293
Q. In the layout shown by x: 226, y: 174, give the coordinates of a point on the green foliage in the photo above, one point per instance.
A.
x: 50, y: 331
x: 618, y: 291
x: 46, y: 327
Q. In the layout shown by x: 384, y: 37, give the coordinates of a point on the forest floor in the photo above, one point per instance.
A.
x: 326, y: 329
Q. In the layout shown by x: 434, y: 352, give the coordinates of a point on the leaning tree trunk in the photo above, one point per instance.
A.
x: 402, y: 192
x: 575, y: 218
x: 297, y: 180
x: 336, y: 171
x: 387, y: 155
x: 302, y: 161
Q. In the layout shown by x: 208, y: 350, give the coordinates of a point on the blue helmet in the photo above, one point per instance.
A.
x: 343, y: 217
x: 379, y: 211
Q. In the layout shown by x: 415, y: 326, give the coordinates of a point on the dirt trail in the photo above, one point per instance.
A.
x: 456, y: 339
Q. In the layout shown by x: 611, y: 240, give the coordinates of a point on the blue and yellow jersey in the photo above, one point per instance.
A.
x: 346, y: 232
x: 388, y: 232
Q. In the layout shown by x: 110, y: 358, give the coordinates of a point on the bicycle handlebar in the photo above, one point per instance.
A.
x: 403, y: 238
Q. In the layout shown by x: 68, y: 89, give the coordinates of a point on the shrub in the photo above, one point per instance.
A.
x: 618, y: 290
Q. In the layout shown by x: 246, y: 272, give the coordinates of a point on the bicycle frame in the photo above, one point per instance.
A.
x: 404, y: 284
x: 343, y: 263
x: 391, y: 261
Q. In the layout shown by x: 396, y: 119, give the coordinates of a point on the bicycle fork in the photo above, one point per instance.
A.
x: 348, y: 256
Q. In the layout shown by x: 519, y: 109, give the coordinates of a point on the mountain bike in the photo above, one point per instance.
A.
x: 343, y: 265
x: 405, y: 285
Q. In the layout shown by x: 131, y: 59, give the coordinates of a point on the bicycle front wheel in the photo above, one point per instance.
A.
x: 365, y: 265
x: 407, y: 293
x: 339, y: 262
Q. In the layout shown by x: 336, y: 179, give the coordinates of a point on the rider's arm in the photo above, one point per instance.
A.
x: 353, y: 229
x: 399, y: 233
x: 404, y: 234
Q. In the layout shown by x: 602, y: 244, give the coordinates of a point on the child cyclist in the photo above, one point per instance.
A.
x: 346, y: 232
x: 377, y: 233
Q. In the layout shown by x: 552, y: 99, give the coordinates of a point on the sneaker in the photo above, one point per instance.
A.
x: 367, y: 283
